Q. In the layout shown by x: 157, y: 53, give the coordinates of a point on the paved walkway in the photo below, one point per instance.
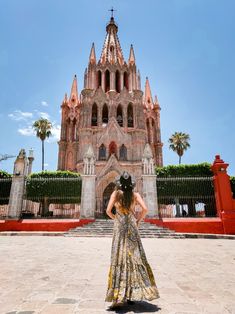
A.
x: 59, y: 275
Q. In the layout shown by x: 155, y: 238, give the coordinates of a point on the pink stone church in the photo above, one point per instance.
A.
x: 113, y: 116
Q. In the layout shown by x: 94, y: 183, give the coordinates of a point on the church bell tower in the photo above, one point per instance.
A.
x: 113, y: 116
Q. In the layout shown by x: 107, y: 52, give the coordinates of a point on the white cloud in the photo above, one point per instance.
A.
x: 27, y: 131
x: 44, y: 103
x: 19, y: 115
x: 42, y: 114
x: 28, y: 118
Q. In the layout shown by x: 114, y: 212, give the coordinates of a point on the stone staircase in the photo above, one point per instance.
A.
x: 104, y: 228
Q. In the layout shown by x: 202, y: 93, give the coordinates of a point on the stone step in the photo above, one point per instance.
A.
x: 110, y: 226
x: 111, y: 231
x: 104, y: 228
x: 174, y: 235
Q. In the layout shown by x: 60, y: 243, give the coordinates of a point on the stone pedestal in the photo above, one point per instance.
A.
x: 88, y: 185
x: 88, y: 197
x: 149, y: 182
x: 150, y: 194
x: 17, y: 186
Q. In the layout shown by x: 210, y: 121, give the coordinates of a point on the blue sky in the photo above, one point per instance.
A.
x: 185, y: 47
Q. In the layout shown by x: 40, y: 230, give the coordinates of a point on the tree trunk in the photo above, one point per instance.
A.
x: 42, y: 155
x: 179, y: 160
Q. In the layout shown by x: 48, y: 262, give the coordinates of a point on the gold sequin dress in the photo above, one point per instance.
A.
x: 130, y: 276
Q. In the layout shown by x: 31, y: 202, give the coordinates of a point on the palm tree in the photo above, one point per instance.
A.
x: 42, y: 128
x: 179, y: 142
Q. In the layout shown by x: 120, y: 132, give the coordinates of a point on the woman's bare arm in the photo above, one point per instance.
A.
x: 111, y: 203
x: 144, y: 211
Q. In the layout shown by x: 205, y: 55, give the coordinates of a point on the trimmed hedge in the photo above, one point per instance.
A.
x: 183, y: 184
x: 195, y: 170
x: 4, y: 174
x: 54, y: 174
x: 59, y: 187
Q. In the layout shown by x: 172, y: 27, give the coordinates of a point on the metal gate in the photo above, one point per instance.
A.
x: 5, y: 188
x: 186, y: 197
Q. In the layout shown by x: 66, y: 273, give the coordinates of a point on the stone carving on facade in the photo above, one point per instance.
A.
x: 89, y: 162
x: 148, y: 162
x: 112, y: 164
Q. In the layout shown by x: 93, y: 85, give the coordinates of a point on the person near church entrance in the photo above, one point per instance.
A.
x: 130, y: 275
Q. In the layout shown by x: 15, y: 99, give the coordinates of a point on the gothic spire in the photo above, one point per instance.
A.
x: 92, y: 58
x: 131, y: 60
x: 112, y: 51
x: 156, y: 105
x: 65, y: 100
x: 148, y: 100
x: 74, y: 90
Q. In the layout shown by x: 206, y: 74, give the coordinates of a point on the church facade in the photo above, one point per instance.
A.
x: 113, y: 116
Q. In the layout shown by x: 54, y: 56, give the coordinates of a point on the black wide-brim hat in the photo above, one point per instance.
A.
x: 125, y: 181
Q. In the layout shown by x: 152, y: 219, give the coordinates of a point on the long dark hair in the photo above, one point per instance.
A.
x: 126, y: 185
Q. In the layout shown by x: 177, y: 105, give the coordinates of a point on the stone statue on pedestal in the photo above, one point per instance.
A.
x: 149, y: 182
x: 88, y: 185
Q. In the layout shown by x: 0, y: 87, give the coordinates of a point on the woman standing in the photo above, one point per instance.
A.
x: 130, y: 276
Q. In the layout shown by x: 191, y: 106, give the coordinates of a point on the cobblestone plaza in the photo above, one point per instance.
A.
x: 64, y: 275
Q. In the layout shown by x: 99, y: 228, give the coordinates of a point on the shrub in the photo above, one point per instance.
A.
x: 57, y: 187
x: 4, y: 174
x: 197, y: 170
x: 183, y: 184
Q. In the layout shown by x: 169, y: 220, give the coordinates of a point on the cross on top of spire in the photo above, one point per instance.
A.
x: 112, y: 10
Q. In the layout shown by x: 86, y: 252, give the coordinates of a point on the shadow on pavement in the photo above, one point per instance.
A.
x: 137, y: 307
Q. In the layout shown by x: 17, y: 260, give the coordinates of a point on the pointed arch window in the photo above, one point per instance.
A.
x: 123, y: 152
x: 130, y: 118
x: 117, y: 81
x: 102, y: 152
x: 107, y: 80
x: 126, y: 80
x: 105, y: 114
x: 119, y: 115
x: 99, y: 79
x: 113, y: 148
x: 94, y: 115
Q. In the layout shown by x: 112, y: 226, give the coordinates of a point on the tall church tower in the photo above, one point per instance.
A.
x: 113, y: 115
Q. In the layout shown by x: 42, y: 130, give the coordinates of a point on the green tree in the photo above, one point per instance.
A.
x: 179, y: 142
x: 42, y: 128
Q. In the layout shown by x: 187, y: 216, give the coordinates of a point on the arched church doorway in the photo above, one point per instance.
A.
x: 106, y: 196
